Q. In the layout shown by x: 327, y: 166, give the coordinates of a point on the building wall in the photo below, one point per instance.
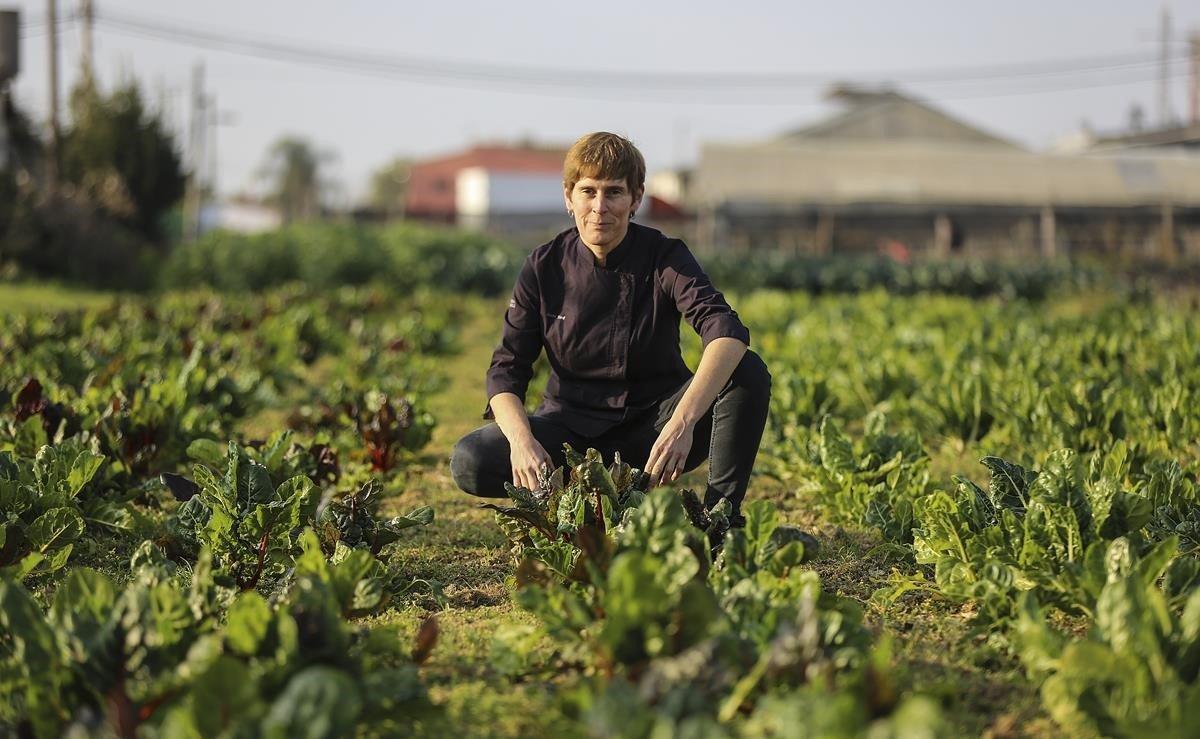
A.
x: 482, y: 192
x: 918, y: 173
x: 432, y: 183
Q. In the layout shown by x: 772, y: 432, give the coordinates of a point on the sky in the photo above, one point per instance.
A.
x: 670, y: 75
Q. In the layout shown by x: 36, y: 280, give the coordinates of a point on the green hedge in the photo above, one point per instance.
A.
x: 402, y: 256
x: 405, y: 256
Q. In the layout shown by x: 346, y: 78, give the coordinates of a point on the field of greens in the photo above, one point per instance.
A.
x: 227, y: 515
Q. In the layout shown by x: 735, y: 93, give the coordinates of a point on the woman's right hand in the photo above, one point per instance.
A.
x: 528, y: 457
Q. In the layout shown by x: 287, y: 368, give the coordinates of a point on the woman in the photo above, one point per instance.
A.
x: 604, y: 299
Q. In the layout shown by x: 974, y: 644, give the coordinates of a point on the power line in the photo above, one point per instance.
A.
x: 471, y: 74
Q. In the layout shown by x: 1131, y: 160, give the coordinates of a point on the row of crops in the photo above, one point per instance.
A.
x: 192, y: 541
x: 162, y: 573
x: 1078, y: 549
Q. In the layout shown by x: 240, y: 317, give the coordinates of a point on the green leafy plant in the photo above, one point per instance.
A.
x: 352, y: 521
x: 40, y: 515
x: 249, y: 522
x: 193, y: 660
x: 1136, y: 673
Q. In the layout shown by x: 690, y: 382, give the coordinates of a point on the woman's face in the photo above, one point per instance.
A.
x: 602, y: 209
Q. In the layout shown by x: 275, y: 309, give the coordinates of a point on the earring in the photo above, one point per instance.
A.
x: 632, y: 213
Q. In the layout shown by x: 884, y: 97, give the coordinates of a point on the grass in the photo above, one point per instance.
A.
x: 43, y: 298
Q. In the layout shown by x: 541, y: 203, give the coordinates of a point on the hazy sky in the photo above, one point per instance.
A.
x: 364, y: 119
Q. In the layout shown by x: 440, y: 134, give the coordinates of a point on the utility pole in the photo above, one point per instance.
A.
x: 198, y: 135
x: 214, y: 120
x: 1195, y: 96
x: 1164, y: 69
x: 87, y: 14
x: 52, y: 161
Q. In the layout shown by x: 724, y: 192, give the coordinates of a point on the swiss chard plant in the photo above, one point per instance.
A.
x: 40, y: 515
x: 1045, y: 531
x: 249, y: 522
x: 876, y: 484
x: 158, y: 656
x: 1137, y: 671
x: 352, y: 521
x: 627, y: 583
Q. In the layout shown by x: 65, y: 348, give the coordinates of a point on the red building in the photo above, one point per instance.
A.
x: 431, y: 185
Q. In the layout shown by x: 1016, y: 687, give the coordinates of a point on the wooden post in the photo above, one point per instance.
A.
x: 943, y: 233
x: 1166, y: 233
x: 1049, y: 233
x: 824, y: 236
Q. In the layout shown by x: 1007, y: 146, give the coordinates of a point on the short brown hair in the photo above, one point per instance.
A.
x: 604, y: 156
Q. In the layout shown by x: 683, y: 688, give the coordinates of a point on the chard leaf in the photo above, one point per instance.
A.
x: 299, y: 492
x: 28, y: 564
x: 207, y: 451
x: 536, y: 519
x: 1009, y: 487
x: 30, y: 437
x: 182, y: 489
x: 254, y: 486
x: 215, y: 492
x: 571, y: 509
x: 56, y: 559
x: 761, y: 520
x: 223, y: 696
x: 34, y: 648
x: 247, y: 624
x: 54, y: 529
x: 837, y: 454
x: 422, y: 516
x: 368, y: 594
x: 83, y: 469
x: 388, y: 531
x: 318, y: 702
x: 83, y: 606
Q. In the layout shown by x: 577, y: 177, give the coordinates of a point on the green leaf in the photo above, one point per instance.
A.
x: 368, y: 594
x: 34, y: 648
x: 54, y: 529
x: 224, y: 698
x: 207, y: 451
x: 247, y: 624
x: 254, y: 486
x: 30, y: 437
x: 837, y: 454
x: 1009, y: 487
x: 300, y: 493
x: 28, y: 564
x: 83, y: 469
x: 57, y: 559
x: 215, y: 492
x: 319, y: 702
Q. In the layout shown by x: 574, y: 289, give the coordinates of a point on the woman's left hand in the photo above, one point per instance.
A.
x: 670, y: 452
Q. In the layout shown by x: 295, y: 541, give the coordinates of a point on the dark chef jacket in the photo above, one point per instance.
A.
x: 611, y: 333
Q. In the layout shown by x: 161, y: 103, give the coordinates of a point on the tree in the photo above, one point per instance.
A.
x: 389, y: 187
x: 119, y: 155
x: 296, y: 184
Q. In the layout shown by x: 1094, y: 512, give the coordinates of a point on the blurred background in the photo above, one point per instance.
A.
x: 148, y: 144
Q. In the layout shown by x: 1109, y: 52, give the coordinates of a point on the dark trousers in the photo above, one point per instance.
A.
x: 728, y: 436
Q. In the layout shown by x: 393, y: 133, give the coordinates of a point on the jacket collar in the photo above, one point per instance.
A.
x: 614, y: 258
